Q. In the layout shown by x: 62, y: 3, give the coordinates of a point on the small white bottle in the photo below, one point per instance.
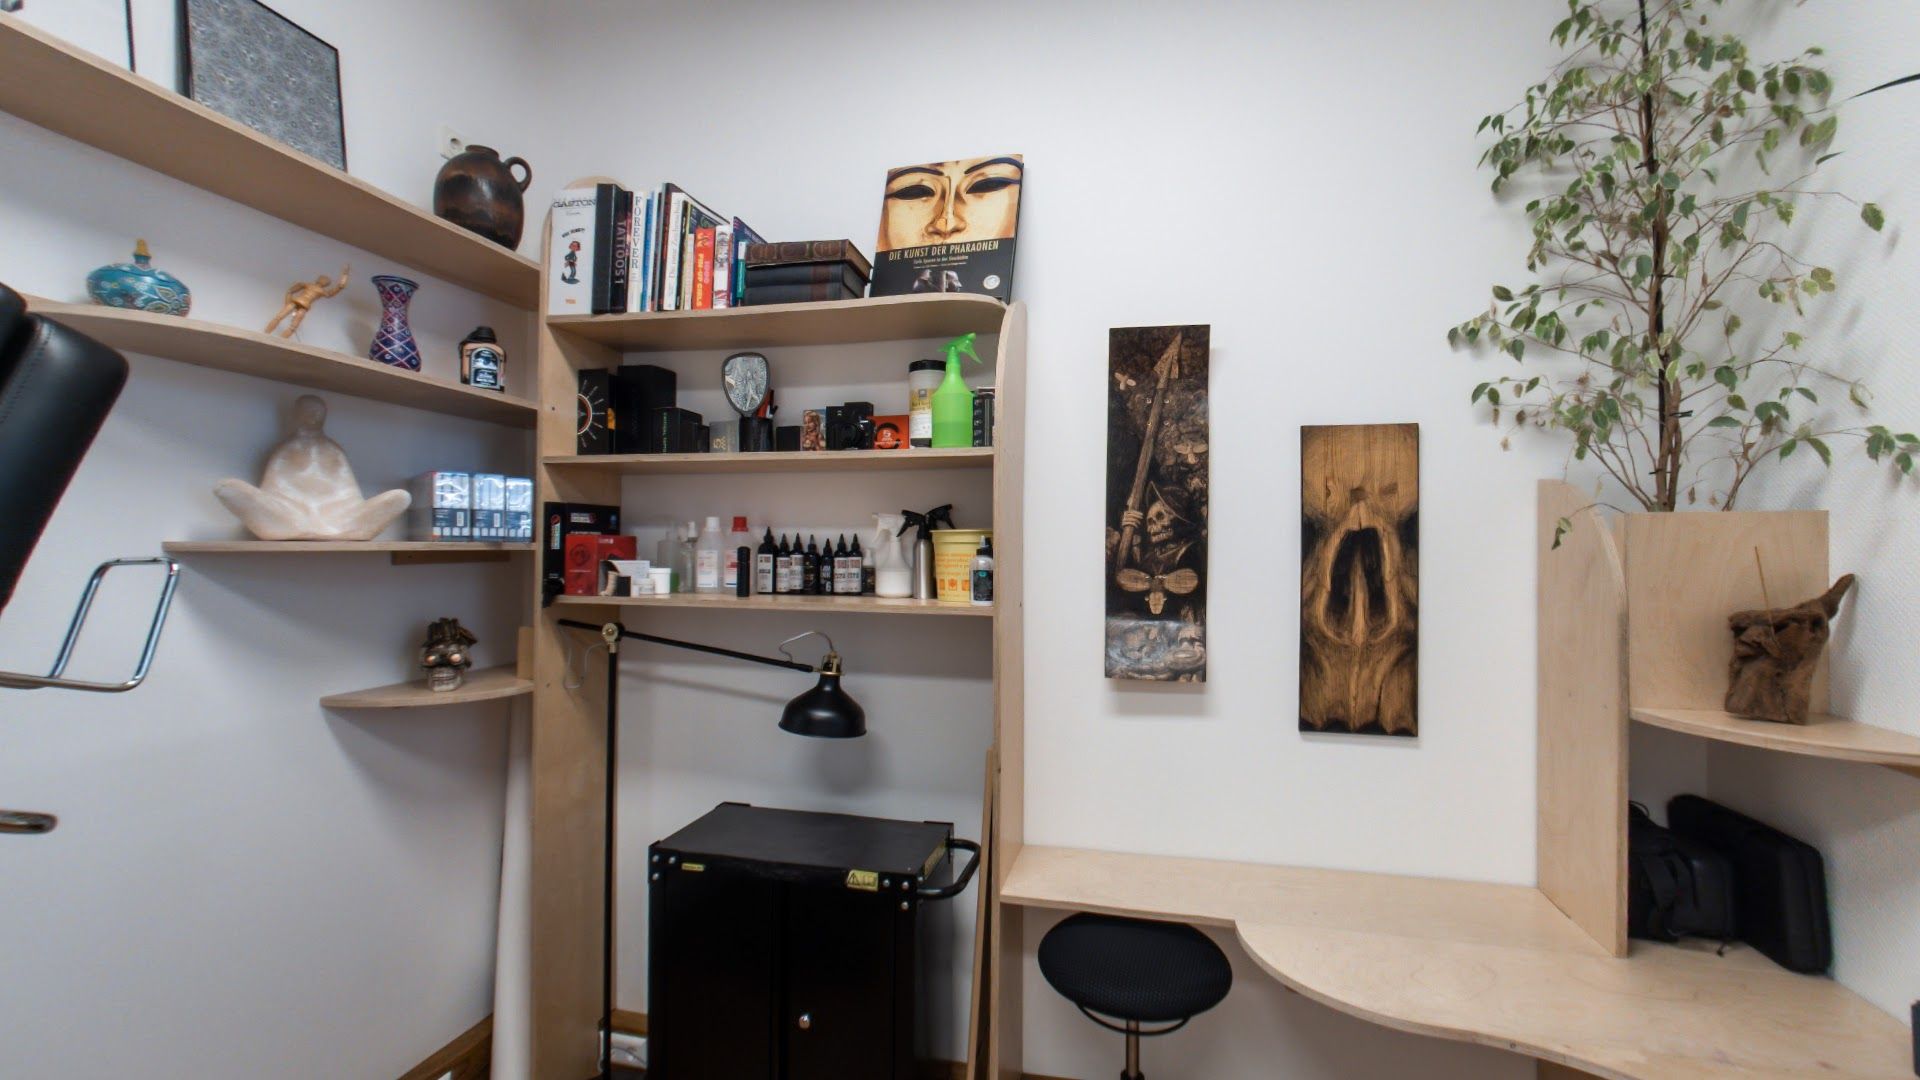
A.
x: 892, y: 574
x: 707, y: 557
x: 981, y: 577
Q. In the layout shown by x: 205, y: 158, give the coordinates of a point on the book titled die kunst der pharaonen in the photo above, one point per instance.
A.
x: 949, y: 226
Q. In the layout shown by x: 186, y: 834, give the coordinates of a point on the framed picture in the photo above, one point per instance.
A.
x: 246, y: 61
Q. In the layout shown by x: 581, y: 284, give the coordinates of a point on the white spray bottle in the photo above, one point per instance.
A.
x: 892, y: 573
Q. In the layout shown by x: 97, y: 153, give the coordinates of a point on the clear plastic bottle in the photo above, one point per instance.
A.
x: 683, y: 556
x: 893, y: 574
x: 708, y: 557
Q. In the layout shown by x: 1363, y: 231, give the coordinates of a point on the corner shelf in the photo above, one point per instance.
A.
x: 784, y: 461
x: 487, y: 684
x: 70, y: 92
x: 246, y: 352
x: 862, y: 605
x: 401, y: 552
x: 832, y: 322
x: 1833, y: 737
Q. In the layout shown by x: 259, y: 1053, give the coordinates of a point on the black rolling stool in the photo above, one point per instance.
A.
x: 1136, y: 972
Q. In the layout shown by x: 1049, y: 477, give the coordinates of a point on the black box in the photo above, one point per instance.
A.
x: 638, y: 390
x: 563, y: 520
x: 595, y: 413
x: 673, y: 431
x: 758, y: 917
x: 756, y: 435
x: 786, y: 439
x: 983, y: 400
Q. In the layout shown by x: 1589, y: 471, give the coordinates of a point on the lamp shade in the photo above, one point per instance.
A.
x: 825, y: 712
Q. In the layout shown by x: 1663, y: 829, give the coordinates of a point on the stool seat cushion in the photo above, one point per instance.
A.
x: 1133, y: 969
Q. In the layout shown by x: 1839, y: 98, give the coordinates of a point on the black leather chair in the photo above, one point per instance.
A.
x: 1127, y: 973
x: 56, y: 388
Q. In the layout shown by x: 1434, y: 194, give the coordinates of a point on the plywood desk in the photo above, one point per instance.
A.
x: 1497, y: 965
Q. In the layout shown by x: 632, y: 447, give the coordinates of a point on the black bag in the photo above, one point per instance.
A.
x: 1781, y: 883
x: 1676, y: 887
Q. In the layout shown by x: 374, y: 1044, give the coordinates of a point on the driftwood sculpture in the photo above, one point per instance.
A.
x: 1774, y: 654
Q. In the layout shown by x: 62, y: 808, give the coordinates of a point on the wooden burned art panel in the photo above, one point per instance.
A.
x: 1360, y: 579
x: 1157, y: 503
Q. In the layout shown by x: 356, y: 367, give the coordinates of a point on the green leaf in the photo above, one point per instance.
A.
x: 1501, y: 292
x: 1786, y: 448
x: 1871, y: 214
x: 1560, y: 529
x: 1826, y: 455
x: 1808, y: 394
x: 1726, y: 376
x: 1905, y: 461
x: 1723, y: 422
x: 1480, y: 392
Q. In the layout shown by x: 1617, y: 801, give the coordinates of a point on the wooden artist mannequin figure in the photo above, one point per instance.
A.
x: 1774, y: 656
x: 308, y: 491
x: 302, y: 295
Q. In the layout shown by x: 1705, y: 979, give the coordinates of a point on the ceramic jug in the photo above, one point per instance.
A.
x: 478, y: 192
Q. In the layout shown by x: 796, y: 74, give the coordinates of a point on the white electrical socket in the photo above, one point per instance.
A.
x: 451, y: 141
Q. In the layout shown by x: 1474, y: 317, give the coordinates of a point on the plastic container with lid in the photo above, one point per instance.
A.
x: 953, y: 551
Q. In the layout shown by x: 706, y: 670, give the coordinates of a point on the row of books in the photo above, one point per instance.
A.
x: 616, y: 251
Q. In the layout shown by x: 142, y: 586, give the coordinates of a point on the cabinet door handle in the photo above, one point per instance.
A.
x: 806, y: 1021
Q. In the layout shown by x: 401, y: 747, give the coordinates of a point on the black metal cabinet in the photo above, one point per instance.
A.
x: 786, y: 945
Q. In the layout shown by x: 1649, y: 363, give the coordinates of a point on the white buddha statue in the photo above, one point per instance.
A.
x: 308, y: 491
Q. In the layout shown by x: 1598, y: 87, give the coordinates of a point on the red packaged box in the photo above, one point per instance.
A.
x: 584, y: 554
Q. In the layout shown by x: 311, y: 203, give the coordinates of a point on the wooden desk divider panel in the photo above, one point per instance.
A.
x: 1581, y: 837
x: 1008, y: 797
x: 1686, y: 572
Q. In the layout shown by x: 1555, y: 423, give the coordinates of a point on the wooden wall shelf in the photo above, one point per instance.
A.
x: 1832, y: 737
x: 807, y: 605
x: 485, y: 684
x: 1496, y: 965
x: 836, y: 322
x: 70, y: 92
x: 973, y: 457
x: 401, y: 552
x: 246, y: 352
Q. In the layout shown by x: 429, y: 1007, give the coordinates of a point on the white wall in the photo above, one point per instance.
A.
x: 1300, y: 176
x: 244, y: 884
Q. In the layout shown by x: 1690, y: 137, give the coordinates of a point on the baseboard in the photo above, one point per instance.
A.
x: 468, y: 1057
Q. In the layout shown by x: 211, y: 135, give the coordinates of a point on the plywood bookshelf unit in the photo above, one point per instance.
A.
x: 569, y: 737
x: 45, y: 81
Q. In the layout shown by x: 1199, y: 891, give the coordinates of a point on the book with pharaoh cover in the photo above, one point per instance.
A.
x: 949, y: 226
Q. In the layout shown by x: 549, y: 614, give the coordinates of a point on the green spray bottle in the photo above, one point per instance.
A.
x: 953, y: 402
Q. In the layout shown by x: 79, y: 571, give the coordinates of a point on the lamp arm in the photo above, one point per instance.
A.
x: 694, y: 646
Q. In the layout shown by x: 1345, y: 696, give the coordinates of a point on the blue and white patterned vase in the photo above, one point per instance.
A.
x: 393, y: 343
x: 138, y: 286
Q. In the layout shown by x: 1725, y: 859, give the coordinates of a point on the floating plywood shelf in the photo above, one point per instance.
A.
x: 834, y: 322
x: 401, y: 552
x: 70, y: 92
x: 1496, y: 965
x: 1832, y: 737
x: 806, y: 605
x: 487, y: 684
x: 246, y: 352
x: 973, y: 457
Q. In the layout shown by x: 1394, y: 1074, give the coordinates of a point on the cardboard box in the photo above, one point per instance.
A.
x: 585, y: 552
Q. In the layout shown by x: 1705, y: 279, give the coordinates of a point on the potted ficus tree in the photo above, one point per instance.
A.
x: 1661, y: 325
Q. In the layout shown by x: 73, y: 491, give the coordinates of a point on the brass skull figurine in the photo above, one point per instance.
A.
x: 447, y: 654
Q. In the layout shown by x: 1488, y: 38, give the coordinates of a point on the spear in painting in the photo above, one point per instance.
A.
x: 1168, y: 367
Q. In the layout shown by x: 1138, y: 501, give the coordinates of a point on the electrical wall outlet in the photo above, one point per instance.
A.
x: 451, y: 141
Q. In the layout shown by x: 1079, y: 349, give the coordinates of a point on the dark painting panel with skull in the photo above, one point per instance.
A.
x: 1360, y: 579
x: 1156, y: 577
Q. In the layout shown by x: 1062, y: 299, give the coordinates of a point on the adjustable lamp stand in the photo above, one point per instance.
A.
x: 824, y: 712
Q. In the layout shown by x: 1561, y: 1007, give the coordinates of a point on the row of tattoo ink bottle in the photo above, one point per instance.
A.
x: 785, y: 566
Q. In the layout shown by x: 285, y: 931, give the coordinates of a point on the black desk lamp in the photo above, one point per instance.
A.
x: 824, y: 712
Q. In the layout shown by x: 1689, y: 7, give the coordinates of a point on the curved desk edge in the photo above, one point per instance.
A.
x: 1496, y: 965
